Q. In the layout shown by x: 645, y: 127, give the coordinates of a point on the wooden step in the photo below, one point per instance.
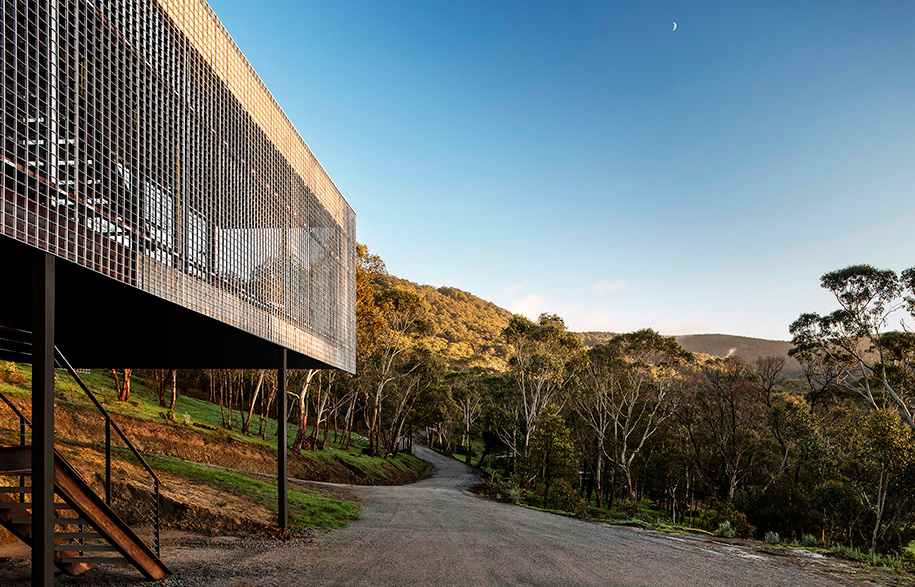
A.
x: 57, y: 521
x: 78, y: 535
x: 15, y: 460
x: 17, y: 505
x: 69, y: 521
x: 94, y: 560
x: 85, y: 548
x: 15, y: 489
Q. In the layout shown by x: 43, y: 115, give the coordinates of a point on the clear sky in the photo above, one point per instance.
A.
x: 583, y: 158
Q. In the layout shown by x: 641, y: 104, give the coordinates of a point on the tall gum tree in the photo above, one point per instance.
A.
x: 876, y: 364
x: 405, y: 323
x: 545, y: 358
x: 627, y: 396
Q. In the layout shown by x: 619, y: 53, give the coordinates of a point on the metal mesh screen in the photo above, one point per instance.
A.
x: 139, y: 143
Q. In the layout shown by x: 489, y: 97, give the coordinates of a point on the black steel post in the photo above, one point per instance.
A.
x: 108, y: 460
x: 156, y: 516
x: 282, y: 481
x: 42, y: 420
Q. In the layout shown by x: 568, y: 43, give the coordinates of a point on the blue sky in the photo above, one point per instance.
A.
x: 582, y: 158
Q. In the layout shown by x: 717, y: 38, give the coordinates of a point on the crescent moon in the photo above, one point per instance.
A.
x: 675, y: 27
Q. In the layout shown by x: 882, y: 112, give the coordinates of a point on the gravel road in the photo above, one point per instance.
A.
x: 435, y: 532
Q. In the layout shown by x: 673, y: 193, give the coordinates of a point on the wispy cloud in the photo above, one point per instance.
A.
x: 531, y: 306
x: 511, y: 290
x: 609, y: 285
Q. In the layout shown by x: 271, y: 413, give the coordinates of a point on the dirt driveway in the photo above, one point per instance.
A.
x: 435, y: 532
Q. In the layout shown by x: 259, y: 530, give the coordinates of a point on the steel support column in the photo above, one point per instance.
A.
x: 42, y: 419
x: 282, y: 480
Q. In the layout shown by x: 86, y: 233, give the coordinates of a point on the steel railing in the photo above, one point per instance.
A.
x: 17, y: 343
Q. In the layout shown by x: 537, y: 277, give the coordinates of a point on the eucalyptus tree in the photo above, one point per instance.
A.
x: 422, y: 370
x: 627, y: 395
x: 876, y: 364
x: 724, y: 419
x: 545, y: 357
x: 466, y: 390
x: 405, y: 323
x: 551, y: 456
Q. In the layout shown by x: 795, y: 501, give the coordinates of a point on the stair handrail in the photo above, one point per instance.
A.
x: 16, y: 410
x: 109, y: 424
x: 104, y: 412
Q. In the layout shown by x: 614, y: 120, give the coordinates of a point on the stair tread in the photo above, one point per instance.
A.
x: 16, y: 505
x: 84, y: 547
x: 77, y: 535
x: 94, y: 560
x: 15, y: 489
x: 69, y: 521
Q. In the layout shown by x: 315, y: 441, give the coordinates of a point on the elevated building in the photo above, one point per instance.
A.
x: 158, y: 209
x: 141, y: 146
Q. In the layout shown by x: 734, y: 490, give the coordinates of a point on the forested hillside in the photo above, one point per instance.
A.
x: 468, y: 329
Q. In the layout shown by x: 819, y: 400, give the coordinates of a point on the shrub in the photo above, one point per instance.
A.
x: 630, y: 507
x: 504, y: 490
x: 772, y: 537
x: 809, y: 540
x: 563, y: 497
x: 737, y: 519
x: 781, y: 507
x: 908, y: 554
x: 725, y: 531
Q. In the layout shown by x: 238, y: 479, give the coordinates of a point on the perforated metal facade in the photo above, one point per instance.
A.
x: 139, y: 143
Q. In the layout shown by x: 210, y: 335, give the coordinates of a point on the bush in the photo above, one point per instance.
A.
x: 9, y: 373
x: 563, y: 497
x: 505, y: 491
x: 725, y: 531
x: 908, y: 555
x: 809, y: 540
x: 629, y: 507
x: 772, y: 537
x: 738, y: 520
x: 781, y: 507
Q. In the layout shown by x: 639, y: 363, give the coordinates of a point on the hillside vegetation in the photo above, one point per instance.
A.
x: 468, y: 329
x: 720, y: 346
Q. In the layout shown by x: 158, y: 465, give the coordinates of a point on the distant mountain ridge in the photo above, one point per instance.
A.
x: 469, y: 331
x: 720, y: 346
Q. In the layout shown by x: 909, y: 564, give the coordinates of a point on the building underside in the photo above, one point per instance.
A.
x: 102, y: 323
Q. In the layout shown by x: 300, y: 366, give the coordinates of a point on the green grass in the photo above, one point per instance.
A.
x: 144, y: 405
x: 307, y: 509
x: 882, y: 562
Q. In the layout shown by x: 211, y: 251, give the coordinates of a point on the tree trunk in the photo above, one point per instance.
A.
x: 122, y: 387
x: 247, y: 425
x: 171, y: 407
x: 302, y: 397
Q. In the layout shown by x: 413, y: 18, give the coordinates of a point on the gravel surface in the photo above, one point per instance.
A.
x: 435, y: 532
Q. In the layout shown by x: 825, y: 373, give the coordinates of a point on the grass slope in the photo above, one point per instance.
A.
x: 307, y: 509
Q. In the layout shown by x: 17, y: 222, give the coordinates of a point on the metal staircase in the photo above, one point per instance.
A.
x: 98, y: 530
x: 86, y: 530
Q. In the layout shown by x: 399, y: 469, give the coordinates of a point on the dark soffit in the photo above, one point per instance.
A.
x: 102, y: 323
